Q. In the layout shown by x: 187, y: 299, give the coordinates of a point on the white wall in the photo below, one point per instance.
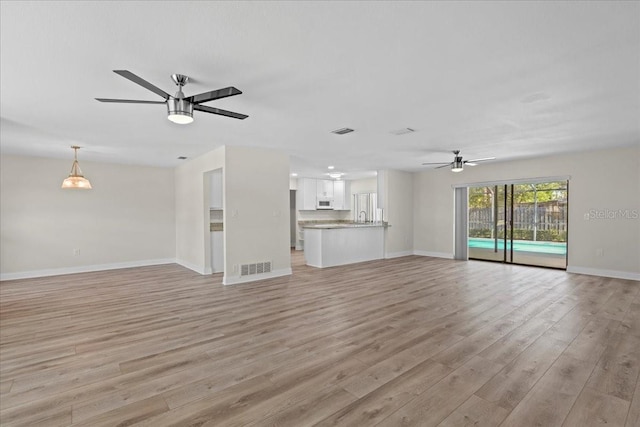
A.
x: 607, y: 180
x: 256, y: 211
x: 433, y: 209
x: 128, y: 219
x: 398, y: 206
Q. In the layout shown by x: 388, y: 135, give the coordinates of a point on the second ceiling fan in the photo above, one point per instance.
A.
x: 180, y: 108
x: 458, y: 164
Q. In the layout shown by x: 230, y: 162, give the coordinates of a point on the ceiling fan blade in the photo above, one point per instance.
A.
x: 438, y: 163
x: 479, y: 160
x: 219, y: 111
x: 470, y: 164
x: 129, y: 101
x: 444, y: 166
x: 214, y: 94
x: 142, y: 82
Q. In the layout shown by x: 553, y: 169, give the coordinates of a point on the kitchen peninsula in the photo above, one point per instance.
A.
x: 328, y: 245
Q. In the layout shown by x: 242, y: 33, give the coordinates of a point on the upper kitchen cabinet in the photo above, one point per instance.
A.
x: 324, y: 188
x: 341, y: 199
x: 306, y: 194
x: 311, y: 190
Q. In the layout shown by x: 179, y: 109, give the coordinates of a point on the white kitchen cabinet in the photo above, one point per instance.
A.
x: 309, y: 190
x: 306, y: 194
x: 329, y: 246
x: 324, y: 188
x: 341, y: 199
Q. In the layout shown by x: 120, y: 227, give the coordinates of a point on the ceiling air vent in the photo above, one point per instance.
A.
x: 402, y: 131
x: 342, y: 131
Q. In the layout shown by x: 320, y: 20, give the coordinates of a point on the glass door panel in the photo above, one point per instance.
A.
x: 487, y: 223
x: 540, y: 224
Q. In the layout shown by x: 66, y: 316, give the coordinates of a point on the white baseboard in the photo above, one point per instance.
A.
x: 83, y: 269
x: 197, y: 268
x: 628, y: 275
x: 254, y: 277
x: 390, y: 255
x: 434, y: 254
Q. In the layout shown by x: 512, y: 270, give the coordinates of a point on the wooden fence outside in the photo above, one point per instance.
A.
x: 525, y: 217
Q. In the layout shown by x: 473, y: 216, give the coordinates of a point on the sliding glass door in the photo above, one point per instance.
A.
x: 519, y: 223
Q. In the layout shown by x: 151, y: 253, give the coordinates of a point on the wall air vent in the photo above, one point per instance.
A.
x: 402, y: 131
x: 342, y: 131
x: 255, y: 268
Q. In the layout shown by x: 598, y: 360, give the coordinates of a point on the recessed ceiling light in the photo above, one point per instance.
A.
x: 335, y: 175
x: 342, y: 131
x: 294, y: 174
x: 331, y: 167
x: 402, y: 131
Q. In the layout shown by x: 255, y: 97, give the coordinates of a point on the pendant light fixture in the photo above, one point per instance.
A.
x: 75, y: 178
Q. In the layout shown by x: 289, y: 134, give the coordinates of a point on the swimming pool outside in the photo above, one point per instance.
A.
x: 555, y: 248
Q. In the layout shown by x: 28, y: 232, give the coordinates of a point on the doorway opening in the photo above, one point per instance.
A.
x: 523, y: 223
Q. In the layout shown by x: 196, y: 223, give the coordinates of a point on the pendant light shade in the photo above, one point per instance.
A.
x: 75, y: 178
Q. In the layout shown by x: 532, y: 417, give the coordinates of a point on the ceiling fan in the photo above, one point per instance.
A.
x: 180, y: 108
x: 458, y: 164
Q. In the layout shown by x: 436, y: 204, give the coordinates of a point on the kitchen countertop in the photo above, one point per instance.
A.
x: 346, y: 225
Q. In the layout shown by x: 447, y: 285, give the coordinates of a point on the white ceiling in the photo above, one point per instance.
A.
x: 504, y: 79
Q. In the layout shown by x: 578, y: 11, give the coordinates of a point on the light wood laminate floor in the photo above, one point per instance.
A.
x: 409, y: 341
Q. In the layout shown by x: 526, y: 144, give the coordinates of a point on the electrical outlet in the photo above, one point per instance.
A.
x: 76, y: 252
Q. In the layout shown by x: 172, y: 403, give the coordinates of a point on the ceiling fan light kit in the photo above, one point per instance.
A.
x: 76, y: 179
x: 180, y: 108
x: 458, y: 164
x: 179, y: 111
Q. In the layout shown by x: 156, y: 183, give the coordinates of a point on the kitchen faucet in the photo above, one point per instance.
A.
x: 365, y: 216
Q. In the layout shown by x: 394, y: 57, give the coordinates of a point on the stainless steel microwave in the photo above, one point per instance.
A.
x: 323, y: 203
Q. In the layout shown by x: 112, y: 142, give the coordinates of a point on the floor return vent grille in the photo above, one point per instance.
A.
x: 255, y: 268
